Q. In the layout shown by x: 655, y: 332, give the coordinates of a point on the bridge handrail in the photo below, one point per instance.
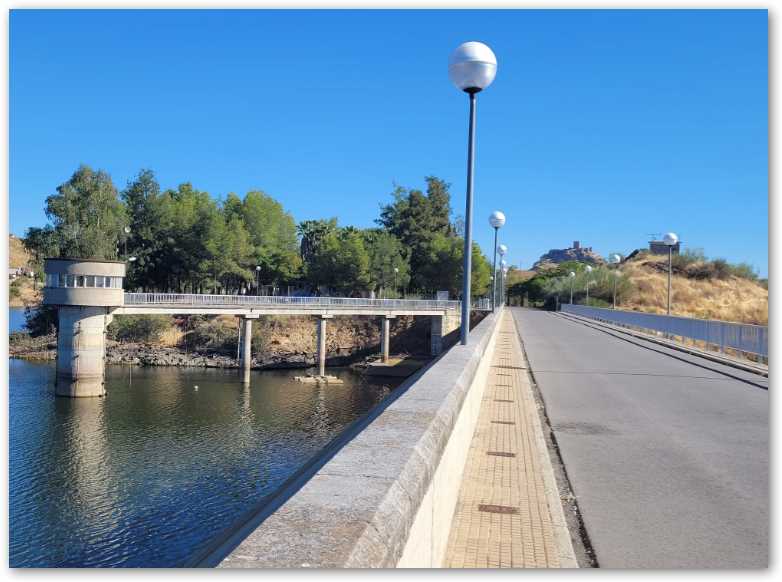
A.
x: 744, y: 337
x: 197, y: 299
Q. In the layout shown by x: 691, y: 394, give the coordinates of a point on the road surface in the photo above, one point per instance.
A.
x: 666, y: 453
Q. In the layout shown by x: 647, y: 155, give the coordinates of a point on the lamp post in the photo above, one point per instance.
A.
x: 503, y: 271
x: 615, y: 259
x: 502, y: 250
x: 127, y: 232
x: 670, y: 239
x: 572, y: 277
x: 472, y: 68
x: 496, y: 221
x: 396, y: 272
x: 588, y: 271
x: 257, y: 279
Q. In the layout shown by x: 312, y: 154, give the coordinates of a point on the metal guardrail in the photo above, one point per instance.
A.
x: 744, y: 337
x: 199, y: 300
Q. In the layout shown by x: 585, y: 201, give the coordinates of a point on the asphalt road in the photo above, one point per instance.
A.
x: 667, y: 455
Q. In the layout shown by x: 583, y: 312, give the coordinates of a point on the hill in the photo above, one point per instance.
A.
x: 17, y: 254
x: 22, y: 290
x: 698, y: 290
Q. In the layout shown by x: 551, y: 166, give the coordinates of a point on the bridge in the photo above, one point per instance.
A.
x: 89, y: 293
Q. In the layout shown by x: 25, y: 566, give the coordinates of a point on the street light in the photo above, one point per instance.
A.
x: 396, y: 272
x: 502, y: 250
x: 257, y: 279
x: 670, y: 239
x: 472, y: 68
x: 615, y: 259
x: 572, y: 277
x: 588, y: 271
x: 497, y: 221
x: 503, y: 272
x: 127, y: 232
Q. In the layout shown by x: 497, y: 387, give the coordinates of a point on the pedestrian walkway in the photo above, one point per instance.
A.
x: 508, y: 514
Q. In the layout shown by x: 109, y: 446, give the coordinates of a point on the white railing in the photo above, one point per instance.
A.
x: 199, y: 300
x: 743, y: 337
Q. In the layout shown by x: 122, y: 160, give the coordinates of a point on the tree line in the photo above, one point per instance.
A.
x: 184, y: 240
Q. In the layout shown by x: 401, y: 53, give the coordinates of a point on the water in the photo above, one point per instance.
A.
x: 16, y: 318
x: 149, y: 474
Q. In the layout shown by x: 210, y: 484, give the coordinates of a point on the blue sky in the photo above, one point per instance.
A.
x: 602, y: 126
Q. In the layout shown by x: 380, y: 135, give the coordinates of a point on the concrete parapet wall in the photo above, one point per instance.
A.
x: 386, y: 498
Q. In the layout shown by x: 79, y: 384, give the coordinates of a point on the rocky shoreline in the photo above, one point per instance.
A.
x: 44, y: 348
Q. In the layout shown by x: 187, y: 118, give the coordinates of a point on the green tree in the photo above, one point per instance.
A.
x: 87, y: 216
x: 389, y: 267
x: 341, y: 263
x: 273, y: 235
x: 142, y: 199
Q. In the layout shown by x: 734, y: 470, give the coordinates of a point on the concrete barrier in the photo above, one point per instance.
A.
x: 386, y: 498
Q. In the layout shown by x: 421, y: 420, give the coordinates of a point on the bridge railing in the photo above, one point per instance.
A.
x: 199, y: 300
x: 742, y: 337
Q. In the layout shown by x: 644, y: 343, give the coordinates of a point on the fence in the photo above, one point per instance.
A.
x: 283, y: 300
x: 743, y: 337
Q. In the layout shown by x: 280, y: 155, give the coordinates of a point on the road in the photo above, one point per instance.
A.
x: 666, y: 453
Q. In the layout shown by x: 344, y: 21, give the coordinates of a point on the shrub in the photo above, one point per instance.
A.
x: 211, y: 334
x: 41, y: 320
x: 138, y: 328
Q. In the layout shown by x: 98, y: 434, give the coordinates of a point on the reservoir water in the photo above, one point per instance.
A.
x: 151, y: 473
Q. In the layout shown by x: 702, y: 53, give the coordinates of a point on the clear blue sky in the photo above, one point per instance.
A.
x: 602, y: 126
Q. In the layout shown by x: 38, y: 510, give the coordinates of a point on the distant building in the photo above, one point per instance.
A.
x: 658, y: 247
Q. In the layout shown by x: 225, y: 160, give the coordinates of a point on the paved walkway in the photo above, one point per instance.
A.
x: 503, y: 517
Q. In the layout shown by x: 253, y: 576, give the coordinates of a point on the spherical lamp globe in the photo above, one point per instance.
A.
x: 472, y: 67
x: 671, y: 238
x: 497, y: 219
x: 588, y: 268
x: 571, y: 274
x: 503, y: 250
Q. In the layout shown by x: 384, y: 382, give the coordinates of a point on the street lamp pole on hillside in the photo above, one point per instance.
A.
x: 472, y: 68
x: 572, y: 277
x: 588, y: 272
x: 670, y: 240
x: 615, y: 259
x: 497, y: 221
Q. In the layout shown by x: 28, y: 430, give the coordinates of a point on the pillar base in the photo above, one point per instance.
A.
x: 81, y: 347
x: 81, y: 388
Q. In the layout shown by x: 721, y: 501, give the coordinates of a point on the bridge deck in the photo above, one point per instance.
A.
x: 254, y: 305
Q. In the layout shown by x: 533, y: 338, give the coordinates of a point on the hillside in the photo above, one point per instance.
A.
x: 731, y: 298
x: 21, y: 291
x: 17, y: 254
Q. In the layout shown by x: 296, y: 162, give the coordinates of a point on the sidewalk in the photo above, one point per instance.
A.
x: 508, y: 514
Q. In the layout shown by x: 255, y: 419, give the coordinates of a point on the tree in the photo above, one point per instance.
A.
x: 141, y: 198
x: 41, y: 243
x: 273, y: 235
x: 87, y: 215
x: 340, y: 262
x: 386, y: 254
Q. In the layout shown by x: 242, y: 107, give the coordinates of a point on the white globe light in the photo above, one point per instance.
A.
x: 472, y: 67
x: 670, y: 238
x: 503, y: 264
x: 588, y: 269
x: 497, y: 219
x: 614, y: 258
x: 571, y: 274
x: 502, y: 249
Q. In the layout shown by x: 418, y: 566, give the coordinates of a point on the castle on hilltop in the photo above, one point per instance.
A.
x: 575, y: 253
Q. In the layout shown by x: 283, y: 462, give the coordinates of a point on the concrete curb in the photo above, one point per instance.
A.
x: 672, y: 345
x: 357, y: 510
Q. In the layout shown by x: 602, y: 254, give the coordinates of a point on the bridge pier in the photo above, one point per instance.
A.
x: 247, y: 341
x: 385, y: 338
x: 442, y: 325
x: 322, y: 319
x: 81, y: 347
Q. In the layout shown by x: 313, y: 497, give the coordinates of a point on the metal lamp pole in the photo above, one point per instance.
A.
x: 257, y: 279
x: 670, y: 240
x: 572, y: 277
x: 472, y: 68
x: 588, y: 272
x: 496, y: 221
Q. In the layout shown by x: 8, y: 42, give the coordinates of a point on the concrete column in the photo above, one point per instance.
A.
x: 81, y: 348
x: 322, y: 344
x: 247, y: 341
x: 385, y: 338
x: 437, y: 334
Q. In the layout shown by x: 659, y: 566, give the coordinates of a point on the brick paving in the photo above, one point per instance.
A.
x: 502, y: 517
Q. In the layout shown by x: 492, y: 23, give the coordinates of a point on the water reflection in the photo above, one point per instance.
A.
x: 167, y: 460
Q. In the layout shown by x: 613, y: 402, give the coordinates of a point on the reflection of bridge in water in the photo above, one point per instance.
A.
x: 86, y: 305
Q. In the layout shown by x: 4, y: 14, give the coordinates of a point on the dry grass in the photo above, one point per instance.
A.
x: 17, y: 254
x: 731, y: 299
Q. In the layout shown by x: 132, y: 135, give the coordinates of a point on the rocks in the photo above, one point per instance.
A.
x: 555, y: 256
